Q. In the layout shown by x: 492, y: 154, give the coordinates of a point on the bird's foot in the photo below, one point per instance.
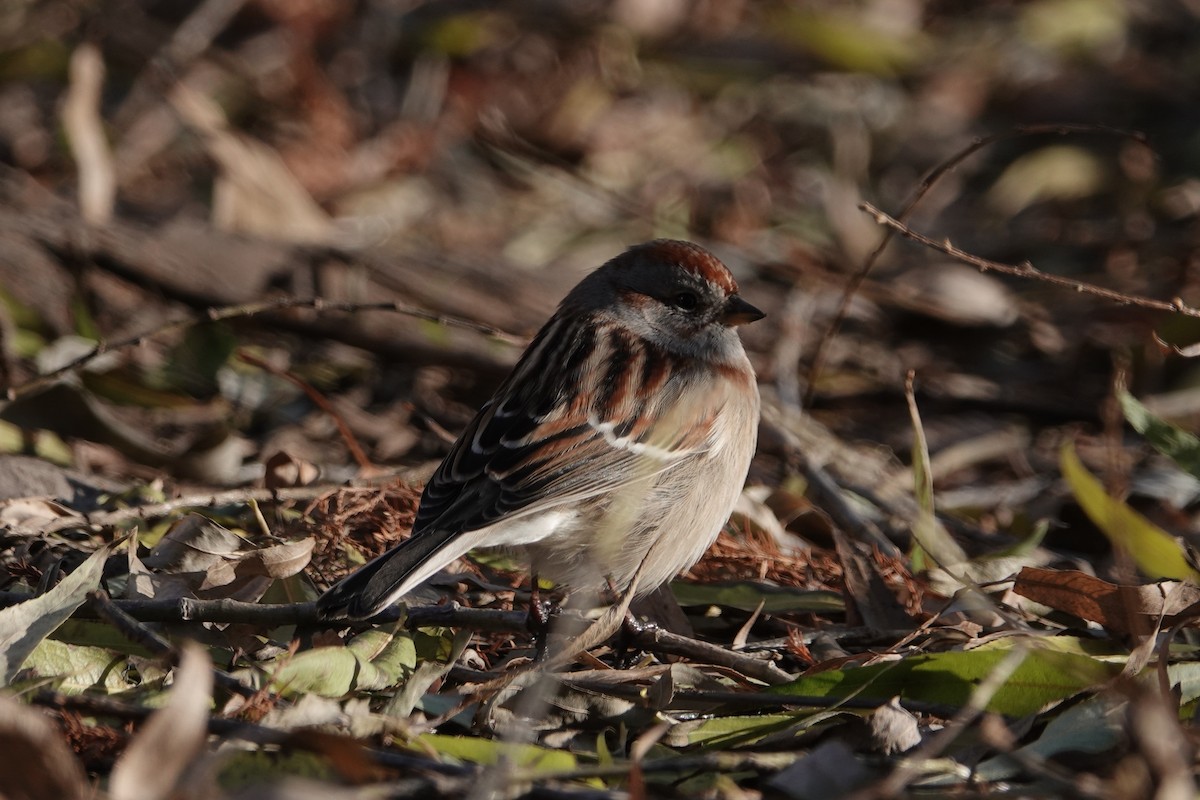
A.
x: 540, y: 620
x: 626, y: 647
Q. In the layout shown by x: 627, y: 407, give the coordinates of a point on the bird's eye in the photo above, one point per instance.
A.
x: 685, y: 301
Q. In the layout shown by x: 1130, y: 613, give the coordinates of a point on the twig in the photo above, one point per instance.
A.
x: 219, y: 314
x: 192, y: 38
x: 657, y: 640
x: 133, y: 630
x: 931, y: 178
x: 190, y: 609
x: 129, y: 614
x: 1027, y: 270
x: 129, y: 627
x: 85, y: 130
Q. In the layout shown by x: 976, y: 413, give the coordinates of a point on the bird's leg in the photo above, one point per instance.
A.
x: 537, y: 621
x: 625, y: 646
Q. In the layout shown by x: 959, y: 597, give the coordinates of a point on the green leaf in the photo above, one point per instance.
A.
x: 1185, y: 676
x: 746, y: 596
x: 843, y: 40
x: 931, y: 536
x: 93, y: 633
x: 1178, y: 445
x: 1052, y: 671
x: 25, y: 625
x: 1074, y: 26
x: 375, y: 660
x: 489, y: 751
x: 1057, y: 172
x: 193, y: 364
x: 727, y: 732
x: 74, y: 668
x: 1156, y: 552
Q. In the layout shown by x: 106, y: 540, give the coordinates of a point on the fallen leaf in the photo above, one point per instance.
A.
x: 26, y: 624
x: 35, y: 761
x: 158, y: 757
x: 200, y: 557
x: 1115, y: 606
x: 1053, y: 670
x: 1156, y: 552
x: 830, y: 771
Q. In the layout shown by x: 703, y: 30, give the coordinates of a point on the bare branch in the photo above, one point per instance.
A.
x: 928, y: 182
x: 1027, y: 270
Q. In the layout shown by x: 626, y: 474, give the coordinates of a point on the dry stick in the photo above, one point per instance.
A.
x: 192, y: 38
x: 658, y: 640
x: 931, y: 178
x: 136, y: 632
x: 360, y: 457
x: 219, y: 314
x: 189, y: 609
x: 1027, y: 270
x: 85, y: 132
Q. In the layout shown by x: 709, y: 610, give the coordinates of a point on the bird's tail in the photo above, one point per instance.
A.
x: 380, y: 582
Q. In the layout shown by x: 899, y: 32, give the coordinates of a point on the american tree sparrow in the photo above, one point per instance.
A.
x: 617, y: 447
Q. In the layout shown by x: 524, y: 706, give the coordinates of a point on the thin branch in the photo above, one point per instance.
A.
x: 220, y: 314
x: 931, y: 178
x: 189, y: 609
x: 660, y: 641
x: 135, y: 631
x: 1027, y: 270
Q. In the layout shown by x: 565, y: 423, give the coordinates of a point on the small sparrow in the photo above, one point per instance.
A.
x: 617, y: 447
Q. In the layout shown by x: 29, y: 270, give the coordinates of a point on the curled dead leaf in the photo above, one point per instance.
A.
x: 1117, y: 607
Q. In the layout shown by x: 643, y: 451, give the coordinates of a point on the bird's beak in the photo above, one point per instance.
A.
x: 738, y: 312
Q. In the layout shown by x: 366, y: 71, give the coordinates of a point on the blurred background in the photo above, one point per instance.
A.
x: 476, y: 159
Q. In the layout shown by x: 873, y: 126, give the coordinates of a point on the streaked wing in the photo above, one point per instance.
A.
x: 587, y: 410
x: 572, y: 421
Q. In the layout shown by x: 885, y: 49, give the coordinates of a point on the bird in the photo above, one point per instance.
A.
x: 617, y: 446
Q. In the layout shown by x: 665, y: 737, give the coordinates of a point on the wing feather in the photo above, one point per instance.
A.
x: 587, y: 411
x: 537, y: 444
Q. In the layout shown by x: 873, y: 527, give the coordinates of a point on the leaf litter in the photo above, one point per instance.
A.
x: 993, y: 596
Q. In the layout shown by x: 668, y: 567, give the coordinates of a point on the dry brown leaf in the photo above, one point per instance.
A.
x: 1118, y: 607
x: 213, y: 562
x: 172, y: 738
x: 870, y: 596
x: 35, y: 762
x: 30, y: 513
